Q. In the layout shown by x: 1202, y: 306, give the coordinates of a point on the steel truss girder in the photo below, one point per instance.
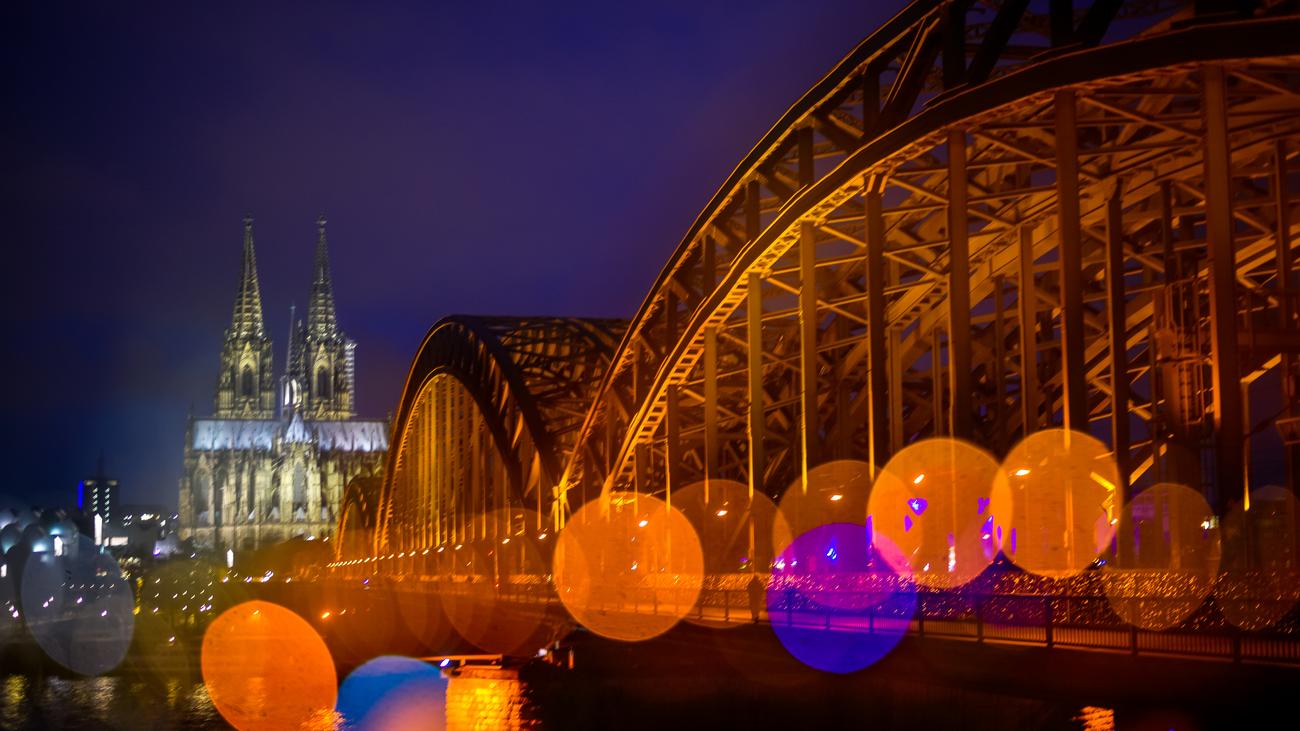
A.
x: 809, y: 313
x: 489, y: 408
x: 1145, y: 135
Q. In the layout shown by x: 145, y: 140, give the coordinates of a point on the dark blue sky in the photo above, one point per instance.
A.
x: 529, y: 158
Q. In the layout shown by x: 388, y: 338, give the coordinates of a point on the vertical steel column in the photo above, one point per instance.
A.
x: 754, y: 338
x: 711, y: 446
x: 448, y: 456
x: 843, y: 393
x: 757, y: 420
x: 807, y: 157
x: 464, y: 500
x: 999, y: 364
x: 473, y: 479
x: 1225, y: 368
x: 673, y: 439
x: 936, y: 379
x: 1285, y: 263
x: 435, y: 464
x: 878, y: 387
x: 1117, y: 315
x: 641, y: 468
x: 1167, y: 252
x: 1027, y: 302
x: 808, y: 365
x: 1163, y: 420
x: 427, y: 500
x: 1070, y: 264
x: 611, y: 408
x: 436, y: 498
x: 441, y: 454
x: 895, y: 361
x: 412, y: 472
x: 959, y: 343
x: 431, y: 470
x: 444, y: 466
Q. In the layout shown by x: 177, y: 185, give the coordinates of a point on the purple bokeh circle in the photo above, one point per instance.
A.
x: 835, y: 600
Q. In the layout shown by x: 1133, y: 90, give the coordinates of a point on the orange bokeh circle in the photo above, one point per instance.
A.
x: 1260, y: 579
x: 266, y: 668
x: 1166, y: 557
x: 1063, y: 489
x: 940, y: 503
x: 628, y: 567
x: 735, y: 532
x: 834, y: 492
x: 494, y: 590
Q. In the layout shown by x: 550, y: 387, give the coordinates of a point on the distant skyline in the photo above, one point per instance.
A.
x: 530, y: 158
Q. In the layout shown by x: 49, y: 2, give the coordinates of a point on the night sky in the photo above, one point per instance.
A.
x: 532, y: 158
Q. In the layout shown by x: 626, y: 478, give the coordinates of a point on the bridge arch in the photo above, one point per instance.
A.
x: 358, y: 519
x: 856, y: 283
x: 939, y: 238
x: 489, y: 405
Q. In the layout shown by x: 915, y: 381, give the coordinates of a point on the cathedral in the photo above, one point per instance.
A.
x: 272, y: 461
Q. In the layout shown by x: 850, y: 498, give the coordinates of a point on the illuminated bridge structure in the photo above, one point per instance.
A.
x: 989, y: 219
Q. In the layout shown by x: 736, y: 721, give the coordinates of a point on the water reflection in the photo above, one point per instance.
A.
x: 113, y: 702
x: 490, y: 697
x: 477, y: 698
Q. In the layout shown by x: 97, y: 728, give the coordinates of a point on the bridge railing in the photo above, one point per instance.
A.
x: 1059, y: 620
x: 1064, y: 621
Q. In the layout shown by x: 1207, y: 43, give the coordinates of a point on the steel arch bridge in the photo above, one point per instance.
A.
x: 490, y: 407
x: 988, y: 219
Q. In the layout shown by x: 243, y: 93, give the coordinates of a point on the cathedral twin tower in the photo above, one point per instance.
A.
x: 319, y: 377
x: 273, y: 460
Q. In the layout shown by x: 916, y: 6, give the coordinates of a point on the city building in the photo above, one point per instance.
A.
x: 98, y: 495
x: 150, y: 515
x: 264, y: 469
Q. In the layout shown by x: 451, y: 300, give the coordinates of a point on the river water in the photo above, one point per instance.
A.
x: 122, y: 705
x: 108, y: 702
x: 492, y: 698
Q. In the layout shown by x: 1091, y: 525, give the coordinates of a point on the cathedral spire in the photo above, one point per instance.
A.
x: 321, y: 319
x: 247, y: 319
x: 291, y: 383
x: 244, y: 387
x: 289, y: 352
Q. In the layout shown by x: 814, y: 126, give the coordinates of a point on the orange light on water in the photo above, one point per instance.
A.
x: 266, y: 668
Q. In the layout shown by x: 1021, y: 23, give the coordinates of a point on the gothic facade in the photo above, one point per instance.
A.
x: 272, y: 461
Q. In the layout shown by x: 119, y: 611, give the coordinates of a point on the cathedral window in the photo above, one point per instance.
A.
x: 323, y: 383
x: 247, y: 388
x: 299, y: 485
